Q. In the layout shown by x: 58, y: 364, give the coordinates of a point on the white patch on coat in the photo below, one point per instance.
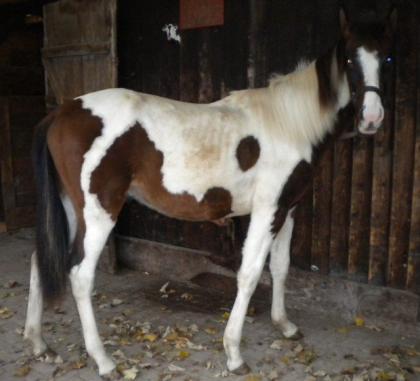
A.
x: 373, y: 111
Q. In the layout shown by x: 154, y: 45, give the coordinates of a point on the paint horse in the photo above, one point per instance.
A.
x: 249, y: 153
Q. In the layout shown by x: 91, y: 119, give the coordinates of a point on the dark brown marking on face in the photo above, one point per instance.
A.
x: 248, y: 152
x: 133, y: 165
x: 293, y: 191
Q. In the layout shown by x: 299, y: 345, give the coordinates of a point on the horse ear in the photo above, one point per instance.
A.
x: 344, y: 24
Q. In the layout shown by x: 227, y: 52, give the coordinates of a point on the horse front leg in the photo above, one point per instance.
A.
x: 279, y: 267
x: 255, y: 250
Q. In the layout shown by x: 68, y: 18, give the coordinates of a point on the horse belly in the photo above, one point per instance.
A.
x: 215, y: 204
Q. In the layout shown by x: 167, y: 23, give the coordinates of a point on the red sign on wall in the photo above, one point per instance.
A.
x: 201, y: 13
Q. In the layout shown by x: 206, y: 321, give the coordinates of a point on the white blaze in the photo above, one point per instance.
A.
x: 373, y: 111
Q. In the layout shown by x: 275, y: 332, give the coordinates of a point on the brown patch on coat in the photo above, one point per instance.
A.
x: 70, y: 136
x: 293, y: 191
x: 133, y: 164
x: 248, y: 152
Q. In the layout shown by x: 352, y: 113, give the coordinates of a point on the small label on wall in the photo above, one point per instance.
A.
x: 201, y: 13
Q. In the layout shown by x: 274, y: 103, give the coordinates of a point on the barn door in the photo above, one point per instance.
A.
x: 79, y: 56
x: 79, y: 51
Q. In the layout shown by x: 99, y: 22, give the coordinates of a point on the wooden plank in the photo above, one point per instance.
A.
x: 322, y: 195
x: 360, y: 209
x: 340, y: 204
x: 72, y: 50
x: 8, y: 189
x: 405, y: 113
x: 381, y: 187
x: 413, y: 269
x: 189, y: 77
x: 235, y: 33
x: 257, y: 69
x: 302, y: 233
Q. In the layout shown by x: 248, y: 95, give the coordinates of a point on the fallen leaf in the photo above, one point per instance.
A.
x: 210, y: 330
x: 253, y: 377
x: 276, y: 344
x: 79, y: 364
x: 130, y: 374
x: 116, y: 302
x: 151, y: 337
x: 5, y: 313
x: 163, y: 288
x: 343, y: 330
x: 359, y: 321
x: 175, y: 368
x: 187, y: 296
x: 23, y: 371
x: 183, y: 355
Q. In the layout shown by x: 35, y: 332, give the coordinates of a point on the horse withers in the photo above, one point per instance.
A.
x: 249, y: 153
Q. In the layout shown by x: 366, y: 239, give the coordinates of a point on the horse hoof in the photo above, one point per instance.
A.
x: 112, y: 376
x: 295, y: 337
x: 242, y: 370
x: 49, y: 356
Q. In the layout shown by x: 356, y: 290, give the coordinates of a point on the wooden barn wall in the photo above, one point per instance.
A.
x: 21, y: 107
x: 361, y: 218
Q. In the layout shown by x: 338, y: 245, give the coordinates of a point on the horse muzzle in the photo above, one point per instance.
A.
x: 372, y: 112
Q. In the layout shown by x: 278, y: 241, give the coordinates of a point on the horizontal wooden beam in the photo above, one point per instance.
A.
x: 74, y: 50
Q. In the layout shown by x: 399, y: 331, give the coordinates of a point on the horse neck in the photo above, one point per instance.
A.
x: 307, y: 101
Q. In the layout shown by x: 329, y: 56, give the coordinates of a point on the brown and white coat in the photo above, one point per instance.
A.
x: 249, y: 153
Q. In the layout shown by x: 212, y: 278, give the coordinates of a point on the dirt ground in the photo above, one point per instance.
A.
x: 158, y: 331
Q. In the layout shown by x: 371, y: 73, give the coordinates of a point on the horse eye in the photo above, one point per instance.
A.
x: 349, y: 61
x: 388, y: 59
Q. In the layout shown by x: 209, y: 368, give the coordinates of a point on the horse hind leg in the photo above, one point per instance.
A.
x: 33, y: 324
x: 98, y: 224
x: 279, y: 267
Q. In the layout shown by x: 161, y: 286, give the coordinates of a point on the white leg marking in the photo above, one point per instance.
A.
x: 98, y: 226
x: 255, y: 252
x: 34, y: 311
x: 71, y: 217
x: 279, y: 267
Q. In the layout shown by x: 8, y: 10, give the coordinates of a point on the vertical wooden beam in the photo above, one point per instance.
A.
x: 235, y: 34
x: 381, y: 187
x: 322, y: 194
x: 8, y: 189
x: 340, y: 204
x: 257, y: 69
x: 413, y: 270
x: 405, y: 113
x: 360, y: 209
x: 302, y: 233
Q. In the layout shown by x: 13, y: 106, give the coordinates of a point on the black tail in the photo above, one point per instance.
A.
x: 52, y: 243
